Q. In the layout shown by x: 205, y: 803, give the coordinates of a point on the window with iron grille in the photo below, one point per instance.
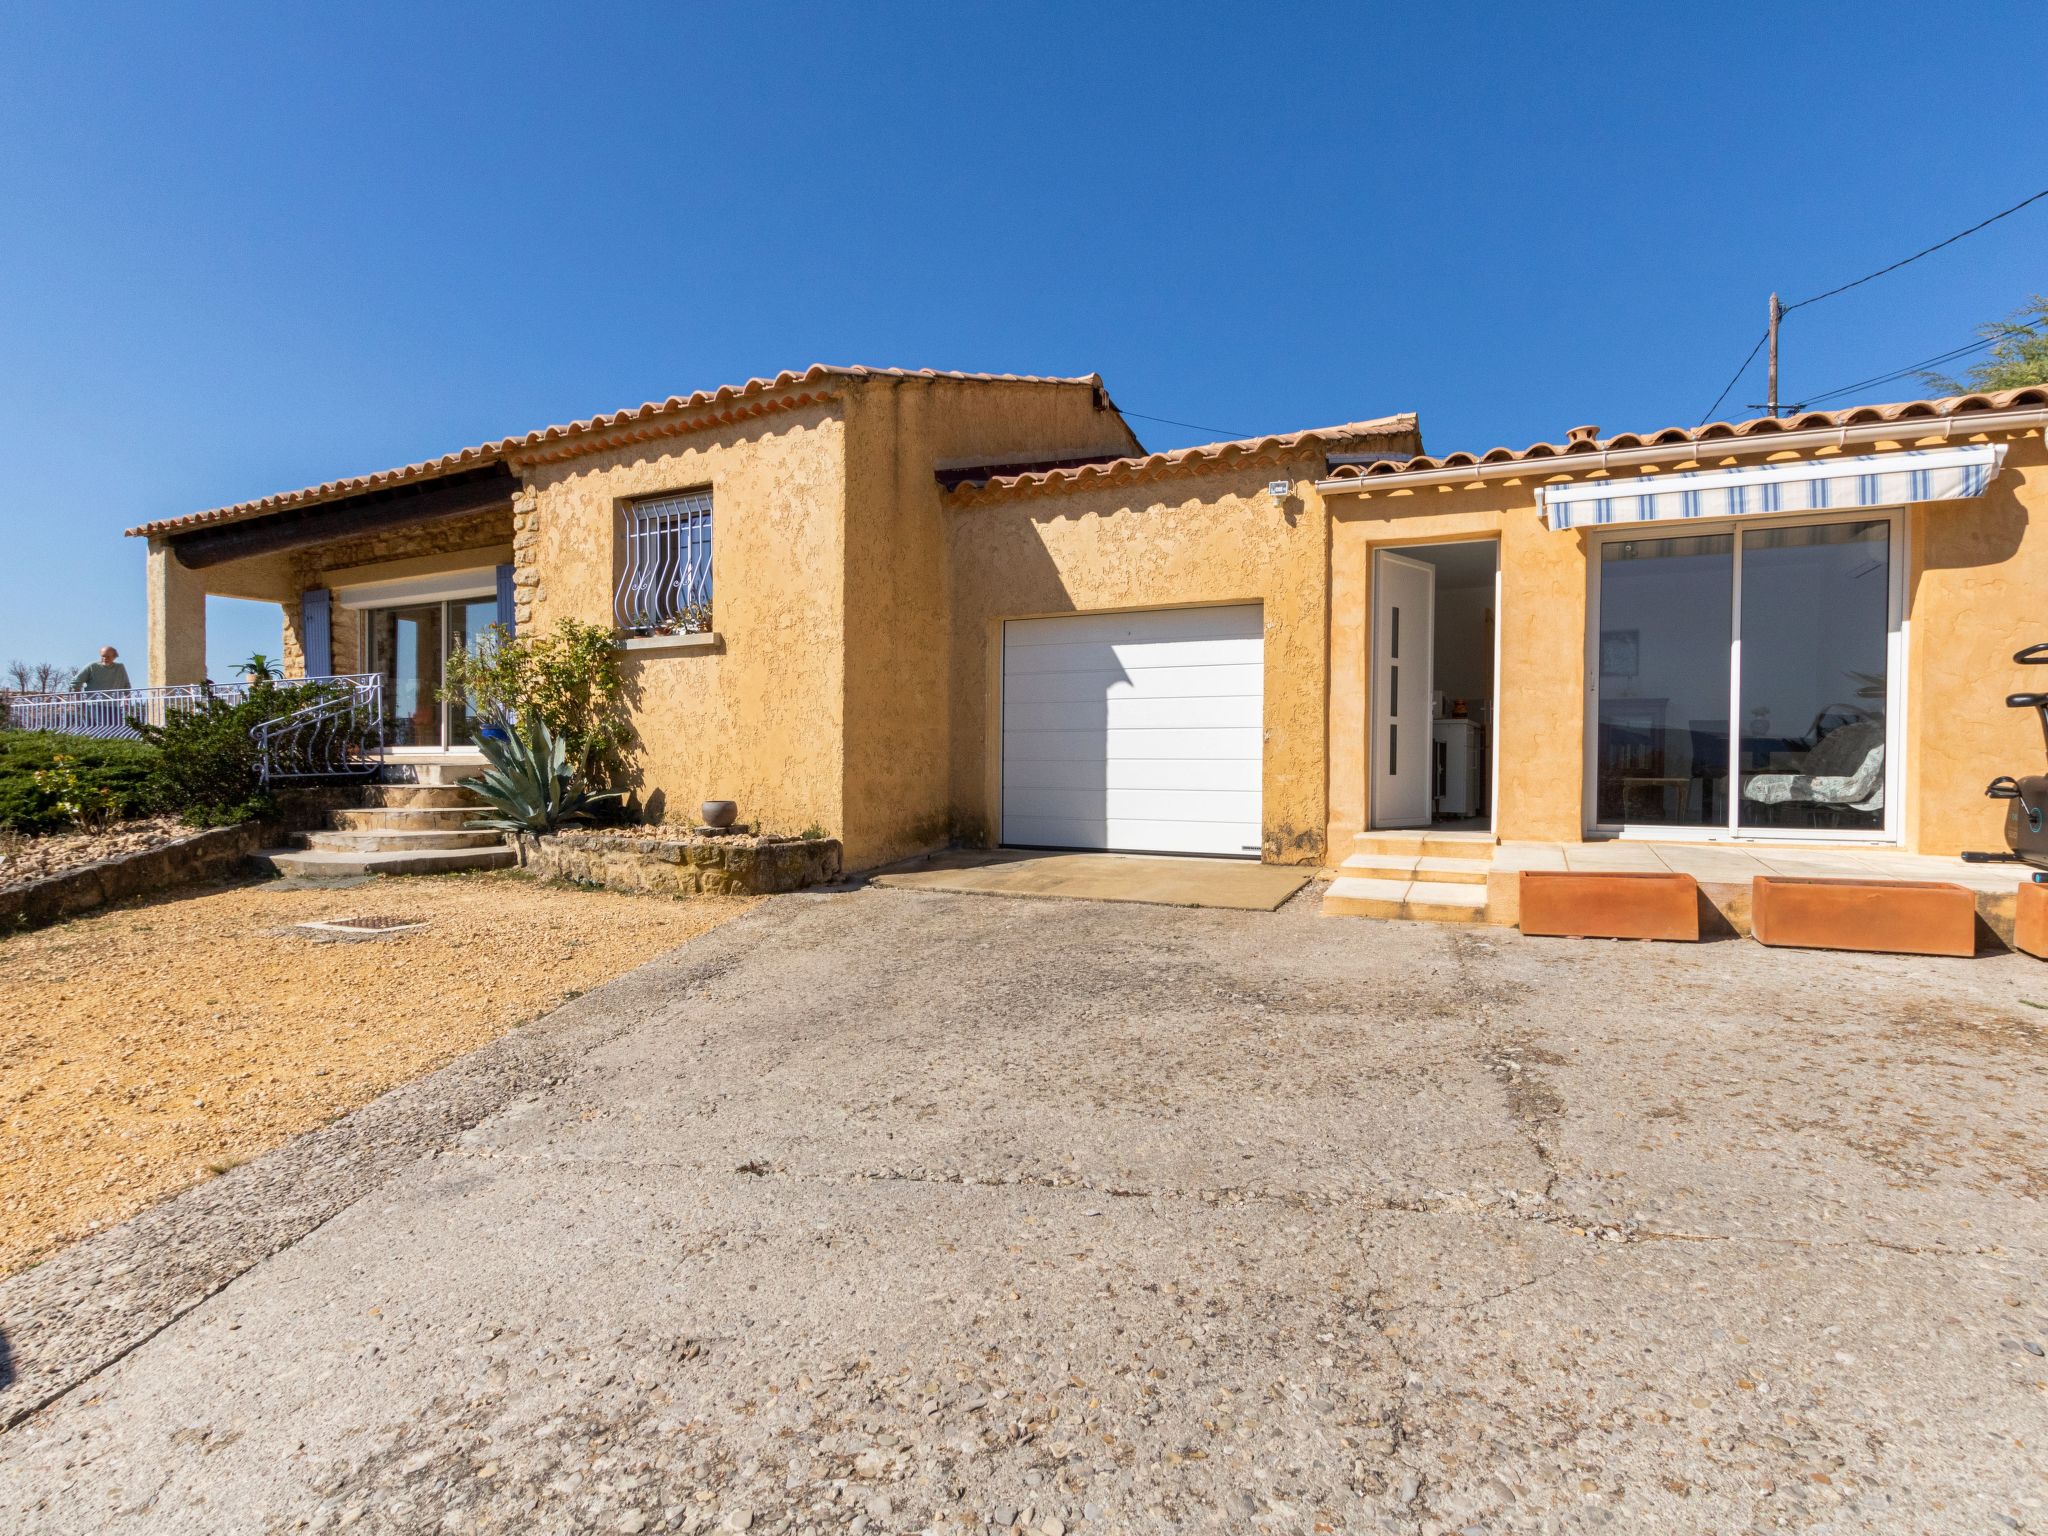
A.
x: 665, y: 582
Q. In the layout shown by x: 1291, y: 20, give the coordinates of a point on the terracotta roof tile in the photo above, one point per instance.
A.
x: 754, y: 397
x: 1201, y: 458
x: 1757, y: 428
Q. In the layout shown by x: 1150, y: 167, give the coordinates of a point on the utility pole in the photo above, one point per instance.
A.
x: 1777, y: 314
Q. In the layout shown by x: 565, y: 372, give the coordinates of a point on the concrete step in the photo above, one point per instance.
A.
x: 405, y: 818
x: 1396, y: 866
x: 450, y: 769
x: 418, y: 796
x: 1425, y: 901
x: 319, y: 864
x: 401, y: 842
x: 1423, y: 843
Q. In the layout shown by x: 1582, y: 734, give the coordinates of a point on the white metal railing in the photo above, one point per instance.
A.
x: 110, y: 713
x: 665, y: 584
x: 337, y: 733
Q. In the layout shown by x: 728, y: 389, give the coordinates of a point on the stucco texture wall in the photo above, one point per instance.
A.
x: 760, y: 718
x: 900, y: 584
x: 1542, y: 624
x: 1193, y: 539
x: 1977, y: 591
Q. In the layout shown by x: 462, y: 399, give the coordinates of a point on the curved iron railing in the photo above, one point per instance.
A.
x: 337, y: 735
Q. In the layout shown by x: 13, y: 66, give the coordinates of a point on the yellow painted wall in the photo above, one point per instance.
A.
x: 900, y: 586
x: 760, y: 719
x: 1194, y: 539
x: 1542, y: 626
x: 1977, y: 590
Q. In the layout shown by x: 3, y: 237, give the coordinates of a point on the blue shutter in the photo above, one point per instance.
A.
x: 316, y: 632
x: 505, y: 598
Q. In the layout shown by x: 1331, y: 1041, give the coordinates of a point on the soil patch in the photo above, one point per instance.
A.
x: 147, y: 1047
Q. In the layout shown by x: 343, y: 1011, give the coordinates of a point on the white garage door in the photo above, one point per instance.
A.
x: 1140, y: 731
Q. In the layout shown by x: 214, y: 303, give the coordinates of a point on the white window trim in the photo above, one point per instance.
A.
x: 1897, y: 650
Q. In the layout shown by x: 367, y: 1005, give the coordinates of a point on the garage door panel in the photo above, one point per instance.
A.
x: 1126, y: 658
x: 1150, y: 626
x: 1140, y: 731
x: 1134, y: 773
x: 1128, y: 714
x: 1094, y: 744
x: 1246, y: 679
x: 1222, y: 806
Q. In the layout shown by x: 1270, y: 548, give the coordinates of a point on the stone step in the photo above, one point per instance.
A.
x: 452, y: 769
x: 317, y: 864
x: 416, y: 796
x: 402, y: 842
x: 1423, y: 843
x: 1400, y: 866
x: 405, y: 818
x: 1425, y: 901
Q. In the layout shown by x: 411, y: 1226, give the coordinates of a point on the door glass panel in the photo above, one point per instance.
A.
x: 469, y: 622
x: 405, y: 646
x: 1661, y: 749
x: 1815, y: 618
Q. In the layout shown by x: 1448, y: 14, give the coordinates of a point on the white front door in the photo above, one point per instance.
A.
x: 1403, y: 672
x: 1142, y: 732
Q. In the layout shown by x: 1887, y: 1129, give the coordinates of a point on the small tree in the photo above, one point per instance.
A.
x: 568, y: 679
x: 2019, y: 354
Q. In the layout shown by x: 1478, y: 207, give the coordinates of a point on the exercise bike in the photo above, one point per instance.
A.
x: 2026, y: 811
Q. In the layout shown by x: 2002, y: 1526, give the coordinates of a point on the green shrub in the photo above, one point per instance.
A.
x: 568, y: 679
x: 208, y: 769
x: 531, y: 785
x: 101, y: 777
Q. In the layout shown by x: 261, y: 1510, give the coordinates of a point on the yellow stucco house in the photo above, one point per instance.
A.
x: 915, y: 608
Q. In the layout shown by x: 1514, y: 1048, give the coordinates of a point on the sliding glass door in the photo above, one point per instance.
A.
x: 1745, y: 679
x: 410, y: 646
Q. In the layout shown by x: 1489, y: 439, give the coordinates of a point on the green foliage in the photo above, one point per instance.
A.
x: 208, y: 768
x: 568, y: 679
x: 2019, y: 356
x: 41, y: 772
x: 530, y: 784
x: 258, y: 668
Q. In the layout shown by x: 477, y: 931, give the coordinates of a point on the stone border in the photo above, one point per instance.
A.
x: 212, y: 854
x: 737, y: 864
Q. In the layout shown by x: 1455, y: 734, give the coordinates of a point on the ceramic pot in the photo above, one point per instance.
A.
x: 719, y: 813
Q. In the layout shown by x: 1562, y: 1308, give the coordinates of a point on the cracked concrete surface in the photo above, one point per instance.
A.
x: 891, y: 1211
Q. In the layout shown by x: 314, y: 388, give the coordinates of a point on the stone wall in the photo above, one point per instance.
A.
x: 210, y: 855
x: 736, y: 864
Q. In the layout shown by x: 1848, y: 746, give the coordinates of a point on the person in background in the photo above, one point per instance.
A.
x: 102, y: 676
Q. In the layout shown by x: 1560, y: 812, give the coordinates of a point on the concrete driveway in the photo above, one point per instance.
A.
x: 894, y: 1211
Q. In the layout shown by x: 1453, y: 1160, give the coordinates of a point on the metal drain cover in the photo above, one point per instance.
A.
x: 351, y: 929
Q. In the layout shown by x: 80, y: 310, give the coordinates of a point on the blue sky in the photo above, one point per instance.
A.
x: 244, y: 249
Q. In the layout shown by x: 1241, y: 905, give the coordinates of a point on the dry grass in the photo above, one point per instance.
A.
x: 149, y: 1047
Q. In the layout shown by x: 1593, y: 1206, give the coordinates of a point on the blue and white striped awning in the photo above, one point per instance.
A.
x: 1808, y: 485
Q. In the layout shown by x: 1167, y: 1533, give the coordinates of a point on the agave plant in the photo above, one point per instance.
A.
x: 531, y: 788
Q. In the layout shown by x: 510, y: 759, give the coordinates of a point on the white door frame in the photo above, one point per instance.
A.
x: 1380, y: 719
x: 1897, y: 652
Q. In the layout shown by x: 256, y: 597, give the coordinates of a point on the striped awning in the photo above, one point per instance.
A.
x: 1808, y: 485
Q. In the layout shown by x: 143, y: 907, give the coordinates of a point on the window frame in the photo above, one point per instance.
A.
x: 645, y: 602
x: 1897, y: 651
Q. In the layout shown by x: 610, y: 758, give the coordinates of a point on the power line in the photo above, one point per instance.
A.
x: 1734, y: 381
x: 1908, y: 261
x: 1192, y: 426
x: 1954, y: 354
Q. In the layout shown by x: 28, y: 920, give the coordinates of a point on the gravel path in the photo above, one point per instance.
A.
x: 148, y: 1047
x: 895, y: 1212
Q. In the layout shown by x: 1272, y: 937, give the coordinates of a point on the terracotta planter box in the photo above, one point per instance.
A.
x: 2030, y: 920
x: 1560, y: 904
x: 1892, y: 917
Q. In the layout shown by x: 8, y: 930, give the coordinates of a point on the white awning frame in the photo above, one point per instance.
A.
x: 1806, y: 485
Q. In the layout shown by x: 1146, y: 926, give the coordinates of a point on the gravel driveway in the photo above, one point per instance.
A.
x: 890, y: 1211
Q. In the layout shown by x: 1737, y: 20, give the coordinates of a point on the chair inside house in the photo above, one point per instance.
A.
x: 1834, y: 777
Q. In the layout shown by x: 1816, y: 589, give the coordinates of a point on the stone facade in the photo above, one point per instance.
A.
x: 736, y: 864
x: 484, y: 533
